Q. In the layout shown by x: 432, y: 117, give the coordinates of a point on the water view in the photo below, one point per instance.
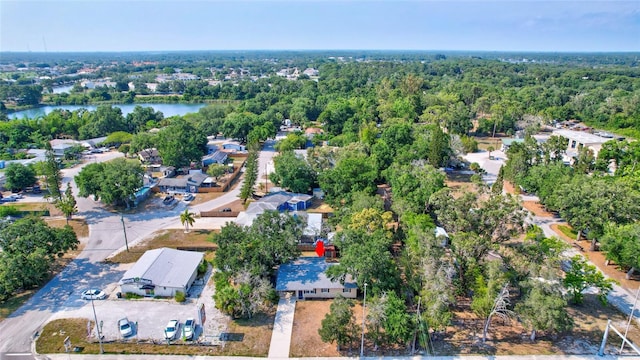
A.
x: 167, y: 109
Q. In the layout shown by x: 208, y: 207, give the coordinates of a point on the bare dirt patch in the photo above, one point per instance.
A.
x: 463, y: 337
x: 459, y: 182
x: 306, y: 342
x: 235, y: 206
x: 536, y: 208
x: 79, y: 226
x: 485, y: 141
x: 511, y: 338
x: 509, y: 188
x: 598, y: 259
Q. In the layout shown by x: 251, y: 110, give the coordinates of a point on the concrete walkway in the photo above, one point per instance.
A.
x: 282, y: 328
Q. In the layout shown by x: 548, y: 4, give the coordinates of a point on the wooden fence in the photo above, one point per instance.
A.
x: 217, y: 213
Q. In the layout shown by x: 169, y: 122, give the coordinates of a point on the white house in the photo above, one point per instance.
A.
x: 162, y: 272
x: 306, y: 279
x: 579, y: 139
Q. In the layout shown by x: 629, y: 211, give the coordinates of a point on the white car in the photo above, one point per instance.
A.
x: 125, y: 327
x: 189, y: 328
x: 94, y: 294
x: 188, y: 197
x: 171, y: 329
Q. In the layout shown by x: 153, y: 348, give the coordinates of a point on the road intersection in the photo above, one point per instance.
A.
x: 106, y: 237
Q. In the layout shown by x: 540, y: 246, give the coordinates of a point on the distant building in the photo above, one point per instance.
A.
x: 311, y: 72
x: 150, y: 156
x: 218, y: 157
x: 580, y: 139
x: 280, y: 201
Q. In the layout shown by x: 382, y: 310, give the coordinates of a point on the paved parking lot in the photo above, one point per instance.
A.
x: 151, y: 315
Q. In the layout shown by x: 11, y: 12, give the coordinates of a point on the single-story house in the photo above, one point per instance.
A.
x: 150, y: 156
x: 579, y: 139
x: 212, y: 144
x: 234, y: 146
x: 306, y: 278
x: 281, y: 201
x: 93, y: 143
x: 218, y: 157
x: 59, y: 146
x: 186, y: 184
x: 162, y: 272
x: 506, y: 143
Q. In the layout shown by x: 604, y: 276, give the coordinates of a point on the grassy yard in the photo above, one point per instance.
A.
x: 11, y: 305
x: 167, y: 238
x: 568, y: 231
x: 37, y: 206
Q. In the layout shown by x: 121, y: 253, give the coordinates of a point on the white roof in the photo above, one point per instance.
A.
x: 581, y: 136
x: 164, y: 267
x: 441, y: 232
x: 314, y: 224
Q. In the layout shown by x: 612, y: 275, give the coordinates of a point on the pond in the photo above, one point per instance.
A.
x: 167, y: 109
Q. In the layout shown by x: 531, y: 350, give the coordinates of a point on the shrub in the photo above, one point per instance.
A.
x: 202, y: 268
x: 180, y: 297
x: 9, y: 210
x: 469, y: 144
x: 130, y: 296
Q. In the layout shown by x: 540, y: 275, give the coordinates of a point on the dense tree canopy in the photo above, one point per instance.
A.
x: 179, y: 144
x: 114, y: 182
x: 29, y: 247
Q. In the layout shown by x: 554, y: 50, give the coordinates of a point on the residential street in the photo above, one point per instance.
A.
x: 106, y: 236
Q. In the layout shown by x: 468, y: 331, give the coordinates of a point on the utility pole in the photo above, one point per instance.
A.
x: 364, y: 305
x: 633, y: 309
x: 95, y: 317
x: 126, y: 243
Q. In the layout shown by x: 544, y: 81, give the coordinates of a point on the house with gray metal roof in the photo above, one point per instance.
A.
x: 188, y: 183
x: 281, y: 201
x: 162, y: 272
x: 306, y: 278
x: 218, y: 157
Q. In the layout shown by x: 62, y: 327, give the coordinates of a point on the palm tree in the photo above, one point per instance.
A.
x: 187, y: 219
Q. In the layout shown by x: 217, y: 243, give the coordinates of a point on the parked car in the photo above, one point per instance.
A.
x: 9, y: 198
x: 188, y: 197
x: 14, y: 197
x: 168, y: 199
x: 95, y: 294
x: 125, y: 327
x: 171, y: 329
x: 189, y: 328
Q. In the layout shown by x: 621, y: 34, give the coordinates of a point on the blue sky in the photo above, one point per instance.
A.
x: 146, y: 25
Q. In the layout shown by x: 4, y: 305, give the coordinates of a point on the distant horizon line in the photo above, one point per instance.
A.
x: 328, y: 50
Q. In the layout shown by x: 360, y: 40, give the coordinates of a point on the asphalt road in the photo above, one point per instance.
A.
x: 106, y: 237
